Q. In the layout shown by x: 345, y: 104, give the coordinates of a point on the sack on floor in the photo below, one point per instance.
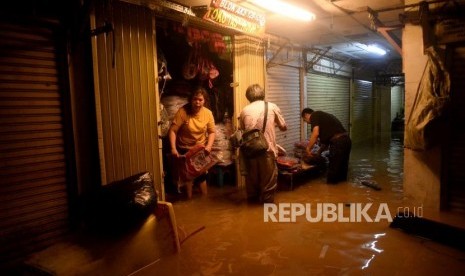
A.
x: 253, y: 143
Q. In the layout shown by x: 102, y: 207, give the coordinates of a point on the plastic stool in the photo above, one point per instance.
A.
x: 220, y: 171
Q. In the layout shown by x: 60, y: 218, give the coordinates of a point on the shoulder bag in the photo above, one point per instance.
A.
x: 253, y: 141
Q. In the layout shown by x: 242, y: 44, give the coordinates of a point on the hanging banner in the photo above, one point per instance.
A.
x: 237, y: 17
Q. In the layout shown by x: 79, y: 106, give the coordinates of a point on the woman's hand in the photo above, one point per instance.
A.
x: 175, y: 152
x: 208, y: 149
x: 309, y: 151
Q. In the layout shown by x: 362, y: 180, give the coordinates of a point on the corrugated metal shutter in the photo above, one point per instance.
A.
x: 33, y: 190
x: 126, y: 93
x: 382, y: 108
x: 329, y: 94
x: 283, y: 89
x: 456, y: 144
x: 362, y: 113
x: 397, y: 101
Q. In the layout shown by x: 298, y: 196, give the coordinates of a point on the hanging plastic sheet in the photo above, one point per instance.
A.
x: 423, y: 126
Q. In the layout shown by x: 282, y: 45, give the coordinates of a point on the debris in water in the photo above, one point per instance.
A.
x: 372, y: 184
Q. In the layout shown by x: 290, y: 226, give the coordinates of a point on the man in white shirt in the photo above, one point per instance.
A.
x: 261, y: 172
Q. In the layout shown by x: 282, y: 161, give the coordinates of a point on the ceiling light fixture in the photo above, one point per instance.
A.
x: 285, y: 9
x: 372, y: 48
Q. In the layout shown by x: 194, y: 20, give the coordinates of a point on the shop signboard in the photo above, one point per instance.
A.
x: 171, y: 5
x: 450, y: 30
x: 237, y: 17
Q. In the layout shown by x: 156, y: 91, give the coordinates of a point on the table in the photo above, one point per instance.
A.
x: 291, y: 173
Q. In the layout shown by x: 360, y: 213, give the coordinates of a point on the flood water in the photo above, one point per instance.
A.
x: 231, y: 237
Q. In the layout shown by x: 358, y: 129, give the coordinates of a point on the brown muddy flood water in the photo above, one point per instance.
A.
x: 237, y: 241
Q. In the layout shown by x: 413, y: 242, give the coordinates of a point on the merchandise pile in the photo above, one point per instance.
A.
x: 222, y: 148
x: 170, y: 105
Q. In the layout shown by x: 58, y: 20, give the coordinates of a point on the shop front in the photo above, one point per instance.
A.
x: 146, y: 60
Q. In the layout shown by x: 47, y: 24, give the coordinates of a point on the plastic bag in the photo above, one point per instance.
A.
x: 287, y: 162
x: 236, y: 138
x: 122, y: 204
x: 423, y: 127
x: 196, y: 162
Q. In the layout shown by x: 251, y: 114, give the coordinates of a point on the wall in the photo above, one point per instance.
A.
x: 83, y: 114
x: 249, y: 68
x: 126, y: 94
x: 421, y: 169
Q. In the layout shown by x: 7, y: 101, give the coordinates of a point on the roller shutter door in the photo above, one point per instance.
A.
x: 455, y: 162
x: 329, y: 94
x: 397, y: 101
x: 33, y: 190
x: 283, y: 89
x: 382, y: 109
x: 362, y: 113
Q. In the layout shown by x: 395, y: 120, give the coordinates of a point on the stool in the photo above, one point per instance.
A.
x: 220, y: 171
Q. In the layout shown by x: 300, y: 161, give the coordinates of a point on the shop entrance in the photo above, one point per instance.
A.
x: 189, y: 57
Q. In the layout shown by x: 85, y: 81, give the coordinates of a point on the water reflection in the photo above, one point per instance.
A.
x: 235, y: 239
x: 380, y: 161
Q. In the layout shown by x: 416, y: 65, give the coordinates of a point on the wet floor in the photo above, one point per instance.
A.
x: 231, y: 238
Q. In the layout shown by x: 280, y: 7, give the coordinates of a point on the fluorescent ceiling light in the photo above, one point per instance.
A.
x: 375, y: 49
x: 285, y: 9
